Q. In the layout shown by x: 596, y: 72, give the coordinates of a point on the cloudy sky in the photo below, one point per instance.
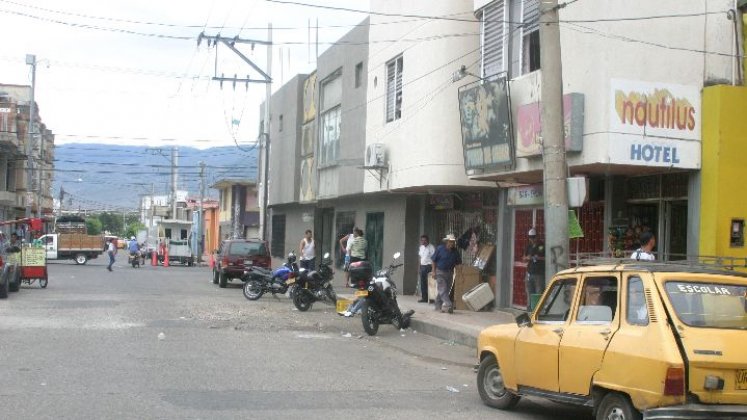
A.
x: 131, y: 72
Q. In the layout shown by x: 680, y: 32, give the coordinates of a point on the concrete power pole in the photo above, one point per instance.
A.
x: 553, y: 141
x: 266, y: 151
x: 201, y: 220
x: 31, y: 61
x: 174, y: 163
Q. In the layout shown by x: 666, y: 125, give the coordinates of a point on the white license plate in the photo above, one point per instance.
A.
x: 361, y: 293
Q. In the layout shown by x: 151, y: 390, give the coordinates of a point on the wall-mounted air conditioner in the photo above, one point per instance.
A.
x: 375, y: 156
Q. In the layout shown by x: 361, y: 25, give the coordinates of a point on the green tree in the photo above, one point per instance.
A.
x: 111, y: 222
x: 93, y: 226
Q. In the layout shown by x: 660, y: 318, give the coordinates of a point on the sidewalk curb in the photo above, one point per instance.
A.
x: 429, y: 327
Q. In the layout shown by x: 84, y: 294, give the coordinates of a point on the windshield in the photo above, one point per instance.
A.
x: 710, y: 305
x: 247, y: 249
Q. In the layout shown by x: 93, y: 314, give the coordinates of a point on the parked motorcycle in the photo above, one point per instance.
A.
x: 260, y: 280
x: 316, y: 286
x: 380, y: 298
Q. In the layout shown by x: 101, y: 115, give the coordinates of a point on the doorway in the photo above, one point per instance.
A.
x: 324, y: 230
x: 375, y: 238
x: 675, y: 230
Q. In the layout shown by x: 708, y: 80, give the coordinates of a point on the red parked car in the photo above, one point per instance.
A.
x: 235, y: 254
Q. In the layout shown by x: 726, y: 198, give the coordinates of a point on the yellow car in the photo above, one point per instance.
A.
x: 629, y: 340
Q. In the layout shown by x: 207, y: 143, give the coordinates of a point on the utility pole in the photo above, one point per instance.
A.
x: 174, y: 162
x: 31, y: 61
x: 553, y: 143
x: 231, y: 43
x: 266, y: 166
x: 201, y: 220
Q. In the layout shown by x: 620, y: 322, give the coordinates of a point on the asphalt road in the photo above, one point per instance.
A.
x: 88, y: 347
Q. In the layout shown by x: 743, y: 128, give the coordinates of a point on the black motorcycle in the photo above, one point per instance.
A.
x: 380, y: 298
x: 316, y: 286
x: 260, y: 280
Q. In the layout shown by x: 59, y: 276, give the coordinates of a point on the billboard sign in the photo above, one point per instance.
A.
x: 486, y: 126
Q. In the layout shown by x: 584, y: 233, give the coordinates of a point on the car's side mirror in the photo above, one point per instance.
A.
x: 523, y: 320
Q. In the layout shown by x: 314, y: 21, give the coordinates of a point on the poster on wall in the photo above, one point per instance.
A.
x: 529, y: 121
x: 486, y: 127
x: 655, y: 109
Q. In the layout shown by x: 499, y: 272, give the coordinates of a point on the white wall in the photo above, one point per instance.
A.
x: 424, y: 147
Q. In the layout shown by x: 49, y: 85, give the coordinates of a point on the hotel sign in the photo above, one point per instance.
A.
x: 655, y: 109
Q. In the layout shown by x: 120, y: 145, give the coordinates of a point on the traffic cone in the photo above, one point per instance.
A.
x: 154, y: 258
x: 212, y: 261
x: 166, y: 257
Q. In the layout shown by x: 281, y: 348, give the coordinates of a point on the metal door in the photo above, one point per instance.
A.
x: 324, y: 235
x: 375, y: 238
x: 675, y: 230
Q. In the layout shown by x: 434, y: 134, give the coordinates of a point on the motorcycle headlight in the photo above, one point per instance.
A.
x: 381, y: 273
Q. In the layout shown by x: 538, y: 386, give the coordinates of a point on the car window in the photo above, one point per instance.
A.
x: 247, y: 249
x: 556, y: 303
x: 598, y: 300
x: 636, y: 311
x: 709, y: 304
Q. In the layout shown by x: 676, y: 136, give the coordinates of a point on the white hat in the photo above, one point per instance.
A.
x: 450, y: 237
x: 532, y: 232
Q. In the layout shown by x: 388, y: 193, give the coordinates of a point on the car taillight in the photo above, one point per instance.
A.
x: 224, y: 262
x: 674, y: 384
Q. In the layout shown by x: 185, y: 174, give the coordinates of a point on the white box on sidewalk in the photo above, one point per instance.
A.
x: 478, y: 297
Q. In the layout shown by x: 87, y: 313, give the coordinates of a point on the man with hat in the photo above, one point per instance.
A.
x: 444, y: 260
x: 534, y: 256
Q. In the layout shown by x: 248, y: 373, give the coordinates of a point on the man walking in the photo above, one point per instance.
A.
x: 444, y: 260
x: 425, y: 252
x: 307, y: 251
x: 112, y: 251
x: 534, y: 256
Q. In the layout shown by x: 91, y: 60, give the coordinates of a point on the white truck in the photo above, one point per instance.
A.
x: 73, y: 246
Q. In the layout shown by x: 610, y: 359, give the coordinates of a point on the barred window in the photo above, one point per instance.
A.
x: 394, y: 89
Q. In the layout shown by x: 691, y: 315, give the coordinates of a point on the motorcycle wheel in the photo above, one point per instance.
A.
x: 253, y: 290
x: 369, y: 318
x: 303, y: 300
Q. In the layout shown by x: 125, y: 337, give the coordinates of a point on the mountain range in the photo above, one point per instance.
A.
x: 113, y: 177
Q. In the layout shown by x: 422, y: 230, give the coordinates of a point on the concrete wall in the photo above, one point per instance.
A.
x: 345, y: 177
x: 424, y: 146
x: 284, y: 170
x: 724, y: 130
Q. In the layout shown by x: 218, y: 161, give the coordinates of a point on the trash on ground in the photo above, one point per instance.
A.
x: 161, y: 336
x: 347, y: 335
x: 451, y: 389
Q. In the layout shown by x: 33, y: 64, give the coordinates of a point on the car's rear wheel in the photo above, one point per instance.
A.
x: 491, y: 387
x: 215, y: 276
x: 616, y: 406
x: 222, y: 280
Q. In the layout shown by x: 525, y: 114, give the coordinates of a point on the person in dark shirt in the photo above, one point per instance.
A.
x: 444, y: 260
x: 534, y: 256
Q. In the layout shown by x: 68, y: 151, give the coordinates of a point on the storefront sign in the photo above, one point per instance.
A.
x: 651, y: 151
x: 528, y: 195
x: 486, y: 128
x: 655, y: 109
x: 442, y: 201
x: 528, y: 141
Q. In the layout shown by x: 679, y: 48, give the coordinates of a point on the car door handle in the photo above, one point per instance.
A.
x: 605, y: 332
x: 558, y: 331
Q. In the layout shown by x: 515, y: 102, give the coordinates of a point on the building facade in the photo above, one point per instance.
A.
x: 239, y: 209
x: 14, y: 136
x: 633, y: 117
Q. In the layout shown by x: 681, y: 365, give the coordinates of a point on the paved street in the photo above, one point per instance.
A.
x: 88, y: 347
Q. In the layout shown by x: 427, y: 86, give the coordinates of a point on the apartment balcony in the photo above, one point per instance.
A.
x: 9, y: 140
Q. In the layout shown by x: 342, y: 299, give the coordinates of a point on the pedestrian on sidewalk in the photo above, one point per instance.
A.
x: 534, y: 256
x: 445, y: 259
x: 425, y: 252
x: 358, y: 252
x: 346, y: 241
x: 111, y: 250
x: 307, y: 251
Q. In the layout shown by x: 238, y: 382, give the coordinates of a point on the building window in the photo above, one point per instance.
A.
x: 493, y: 38
x: 331, y: 119
x: 394, y: 89
x: 530, y: 42
x: 280, y: 123
x: 358, y: 74
x: 277, y: 247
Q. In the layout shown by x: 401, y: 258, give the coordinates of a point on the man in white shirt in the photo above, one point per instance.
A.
x: 307, y: 250
x: 425, y: 253
x: 648, y: 242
